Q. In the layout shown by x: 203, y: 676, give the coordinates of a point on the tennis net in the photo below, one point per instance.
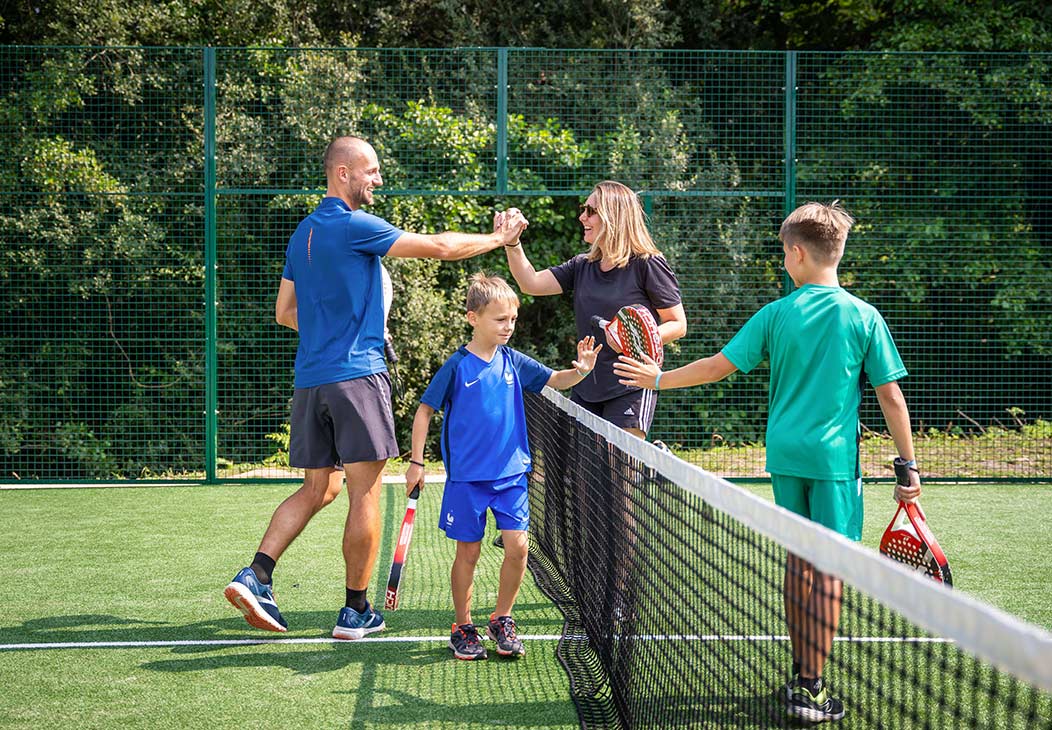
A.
x: 673, y: 583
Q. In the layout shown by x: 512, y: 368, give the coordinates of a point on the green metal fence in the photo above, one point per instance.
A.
x: 148, y: 194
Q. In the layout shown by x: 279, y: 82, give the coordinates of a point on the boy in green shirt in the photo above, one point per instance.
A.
x: 820, y: 341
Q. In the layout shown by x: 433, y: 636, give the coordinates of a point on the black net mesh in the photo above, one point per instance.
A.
x: 676, y: 607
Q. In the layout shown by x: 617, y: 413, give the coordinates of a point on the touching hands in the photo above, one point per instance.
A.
x: 587, y: 351
x: 641, y: 374
x: 510, y: 224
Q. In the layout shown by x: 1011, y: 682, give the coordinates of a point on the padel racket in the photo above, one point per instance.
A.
x: 394, y: 580
x: 909, y: 540
x: 635, y: 332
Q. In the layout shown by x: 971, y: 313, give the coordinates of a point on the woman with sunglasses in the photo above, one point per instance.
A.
x: 622, y: 266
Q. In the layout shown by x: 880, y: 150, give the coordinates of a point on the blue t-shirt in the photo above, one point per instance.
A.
x: 820, y: 340
x: 484, y: 430
x: 333, y: 258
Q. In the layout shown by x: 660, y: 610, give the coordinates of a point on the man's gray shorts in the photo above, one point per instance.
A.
x: 349, y: 421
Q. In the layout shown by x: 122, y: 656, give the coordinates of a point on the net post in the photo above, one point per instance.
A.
x: 789, y: 148
x: 502, y: 121
x: 210, y: 264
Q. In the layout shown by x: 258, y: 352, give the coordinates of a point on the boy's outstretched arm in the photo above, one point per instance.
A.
x: 582, y: 366
x: 645, y: 373
x: 421, y: 423
x: 897, y: 416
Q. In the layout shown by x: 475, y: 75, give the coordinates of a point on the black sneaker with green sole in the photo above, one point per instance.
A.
x: 813, y: 707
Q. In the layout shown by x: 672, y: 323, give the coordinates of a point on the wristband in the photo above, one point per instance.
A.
x: 912, y: 463
x: 512, y: 245
x: 418, y: 463
x: 583, y: 373
x: 657, y: 380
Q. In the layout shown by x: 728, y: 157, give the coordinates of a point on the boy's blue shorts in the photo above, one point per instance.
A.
x: 464, y: 506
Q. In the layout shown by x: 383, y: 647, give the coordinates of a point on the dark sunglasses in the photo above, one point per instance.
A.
x: 589, y: 210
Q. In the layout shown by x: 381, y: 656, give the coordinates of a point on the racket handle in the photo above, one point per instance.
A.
x: 415, y: 493
x: 599, y: 322
x: 389, y: 351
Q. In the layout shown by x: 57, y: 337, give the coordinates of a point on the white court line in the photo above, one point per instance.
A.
x: 244, y: 642
x: 130, y: 484
x: 421, y: 639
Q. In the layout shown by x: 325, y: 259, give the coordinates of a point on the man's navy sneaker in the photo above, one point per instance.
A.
x: 354, y: 625
x: 255, y: 600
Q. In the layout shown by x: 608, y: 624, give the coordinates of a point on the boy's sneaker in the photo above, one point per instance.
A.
x: 810, y: 707
x: 255, y: 600
x: 785, y: 691
x: 353, y: 625
x: 465, y: 643
x: 502, y: 630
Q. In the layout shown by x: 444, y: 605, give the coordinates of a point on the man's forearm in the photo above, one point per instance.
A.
x: 457, y: 246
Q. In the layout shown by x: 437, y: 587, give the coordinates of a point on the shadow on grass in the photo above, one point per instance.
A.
x: 396, y: 684
x: 231, y: 626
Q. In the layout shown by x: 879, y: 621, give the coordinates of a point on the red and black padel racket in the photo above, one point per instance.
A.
x: 635, y: 332
x: 394, y: 580
x: 909, y: 540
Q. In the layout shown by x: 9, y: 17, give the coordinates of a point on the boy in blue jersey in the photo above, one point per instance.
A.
x: 822, y: 343
x: 486, y: 454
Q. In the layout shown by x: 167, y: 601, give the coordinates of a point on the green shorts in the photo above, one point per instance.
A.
x: 837, y: 504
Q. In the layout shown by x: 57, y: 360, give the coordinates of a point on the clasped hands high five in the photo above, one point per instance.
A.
x: 510, y: 224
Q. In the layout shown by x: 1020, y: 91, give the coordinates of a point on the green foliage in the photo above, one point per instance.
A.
x: 102, y: 267
x: 85, y: 453
x: 280, y: 458
x: 981, y: 25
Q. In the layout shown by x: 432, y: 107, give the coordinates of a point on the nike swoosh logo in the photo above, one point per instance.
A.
x: 468, y: 385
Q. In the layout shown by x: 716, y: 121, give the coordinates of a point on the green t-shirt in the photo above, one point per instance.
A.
x: 819, y: 340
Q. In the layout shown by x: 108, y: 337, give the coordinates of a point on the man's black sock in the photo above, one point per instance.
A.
x: 263, y: 567
x: 356, y: 600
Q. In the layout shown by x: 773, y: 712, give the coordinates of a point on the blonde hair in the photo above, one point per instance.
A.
x: 624, y: 233
x: 821, y: 228
x: 484, y: 289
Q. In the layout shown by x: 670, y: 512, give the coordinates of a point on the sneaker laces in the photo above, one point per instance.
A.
x: 470, y: 633
x: 507, y: 627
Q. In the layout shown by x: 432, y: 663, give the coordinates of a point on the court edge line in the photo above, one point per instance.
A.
x: 425, y: 639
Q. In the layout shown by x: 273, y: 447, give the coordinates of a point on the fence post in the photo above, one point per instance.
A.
x: 502, y: 121
x: 789, y: 148
x: 211, y: 404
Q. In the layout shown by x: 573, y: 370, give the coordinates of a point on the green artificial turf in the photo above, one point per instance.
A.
x: 144, y: 564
